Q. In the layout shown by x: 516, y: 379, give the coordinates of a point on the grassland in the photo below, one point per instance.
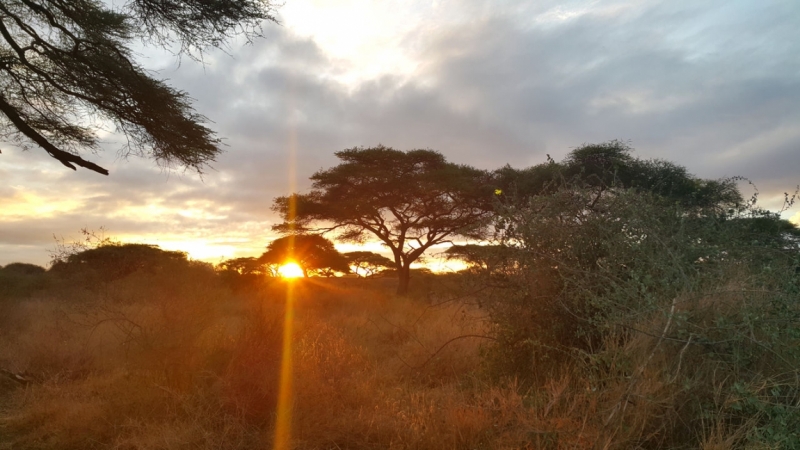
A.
x: 178, y: 359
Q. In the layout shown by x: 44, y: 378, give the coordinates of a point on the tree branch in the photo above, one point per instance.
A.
x: 66, y: 158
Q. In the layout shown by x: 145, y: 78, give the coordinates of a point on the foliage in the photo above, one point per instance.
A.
x: 247, y: 266
x: 678, y: 301
x: 19, y: 280
x: 367, y: 264
x: 246, y: 273
x: 22, y: 269
x: 481, y: 258
x: 611, y: 165
x: 409, y: 200
x: 116, y: 260
x: 67, y: 69
x: 90, y: 239
x: 314, y: 254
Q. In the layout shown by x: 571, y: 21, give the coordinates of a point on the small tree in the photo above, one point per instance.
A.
x: 314, y: 254
x: 367, y: 264
x: 410, y: 201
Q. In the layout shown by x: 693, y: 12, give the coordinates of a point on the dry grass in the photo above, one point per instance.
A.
x: 179, y: 361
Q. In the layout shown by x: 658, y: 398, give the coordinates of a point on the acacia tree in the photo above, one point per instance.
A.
x: 66, y: 70
x: 313, y: 253
x: 248, y: 266
x: 410, y: 201
x: 367, y: 264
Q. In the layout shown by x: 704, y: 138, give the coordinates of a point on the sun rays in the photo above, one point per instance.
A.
x: 291, y: 270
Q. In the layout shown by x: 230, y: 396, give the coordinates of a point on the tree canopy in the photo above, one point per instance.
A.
x: 18, y: 268
x: 410, y: 201
x: 247, y: 266
x: 314, y: 254
x: 67, y: 70
x: 367, y: 264
x: 611, y: 165
x: 114, y: 260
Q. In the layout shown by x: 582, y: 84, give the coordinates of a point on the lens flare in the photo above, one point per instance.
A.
x: 291, y: 270
x: 283, y: 419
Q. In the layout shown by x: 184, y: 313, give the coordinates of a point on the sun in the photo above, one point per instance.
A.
x: 291, y: 270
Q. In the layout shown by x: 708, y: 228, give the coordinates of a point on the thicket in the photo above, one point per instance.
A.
x: 669, y: 303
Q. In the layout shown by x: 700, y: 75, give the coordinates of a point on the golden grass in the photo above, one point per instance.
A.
x: 178, y: 361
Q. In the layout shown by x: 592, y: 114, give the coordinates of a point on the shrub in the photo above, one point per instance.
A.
x: 20, y: 280
x: 113, y: 260
x: 668, y: 309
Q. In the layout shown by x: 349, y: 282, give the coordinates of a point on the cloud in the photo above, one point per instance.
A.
x: 711, y: 86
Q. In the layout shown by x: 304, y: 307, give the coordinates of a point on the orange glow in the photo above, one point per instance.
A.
x: 291, y: 270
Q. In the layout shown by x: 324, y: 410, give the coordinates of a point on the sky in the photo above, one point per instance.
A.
x: 713, y: 86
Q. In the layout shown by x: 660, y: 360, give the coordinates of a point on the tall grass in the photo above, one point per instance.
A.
x: 176, y: 359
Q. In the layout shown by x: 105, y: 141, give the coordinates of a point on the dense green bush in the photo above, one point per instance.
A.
x: 630, y: 287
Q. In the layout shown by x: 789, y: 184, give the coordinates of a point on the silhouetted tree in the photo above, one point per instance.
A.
x: 18, y: 268
x: 247, y: 266
x: 66, y: 67
x: 489, y: 258
x: 246, y: 273
x: 367, y: 264
x: 314, y: 254
x: 410, y: 201
x: 116, y: 260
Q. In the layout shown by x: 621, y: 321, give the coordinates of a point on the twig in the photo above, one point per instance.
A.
x: 450, y: 341
x: 680, y: 359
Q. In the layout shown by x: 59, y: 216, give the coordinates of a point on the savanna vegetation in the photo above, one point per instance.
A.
x: 610, y: 303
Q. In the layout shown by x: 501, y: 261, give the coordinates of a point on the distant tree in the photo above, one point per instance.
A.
x: 314, y: 254
x: 246, y: 273
x: 20, y: 280
x: 116, y: 260
x: 18, y: 268
x: 410, y: 201
x: 489, y: 258
x: 67, y: 70
x: 248, y: 266
x: 367, y: 264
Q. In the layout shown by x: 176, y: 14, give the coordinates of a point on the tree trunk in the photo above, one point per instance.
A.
x: 404, y: 275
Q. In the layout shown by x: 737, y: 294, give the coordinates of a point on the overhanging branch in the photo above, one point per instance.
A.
x: 66, y: 158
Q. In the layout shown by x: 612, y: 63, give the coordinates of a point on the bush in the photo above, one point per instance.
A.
x: 22, y: 269
x: 668, y: 309
x: 112, y: 260
x: 20, y: 280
